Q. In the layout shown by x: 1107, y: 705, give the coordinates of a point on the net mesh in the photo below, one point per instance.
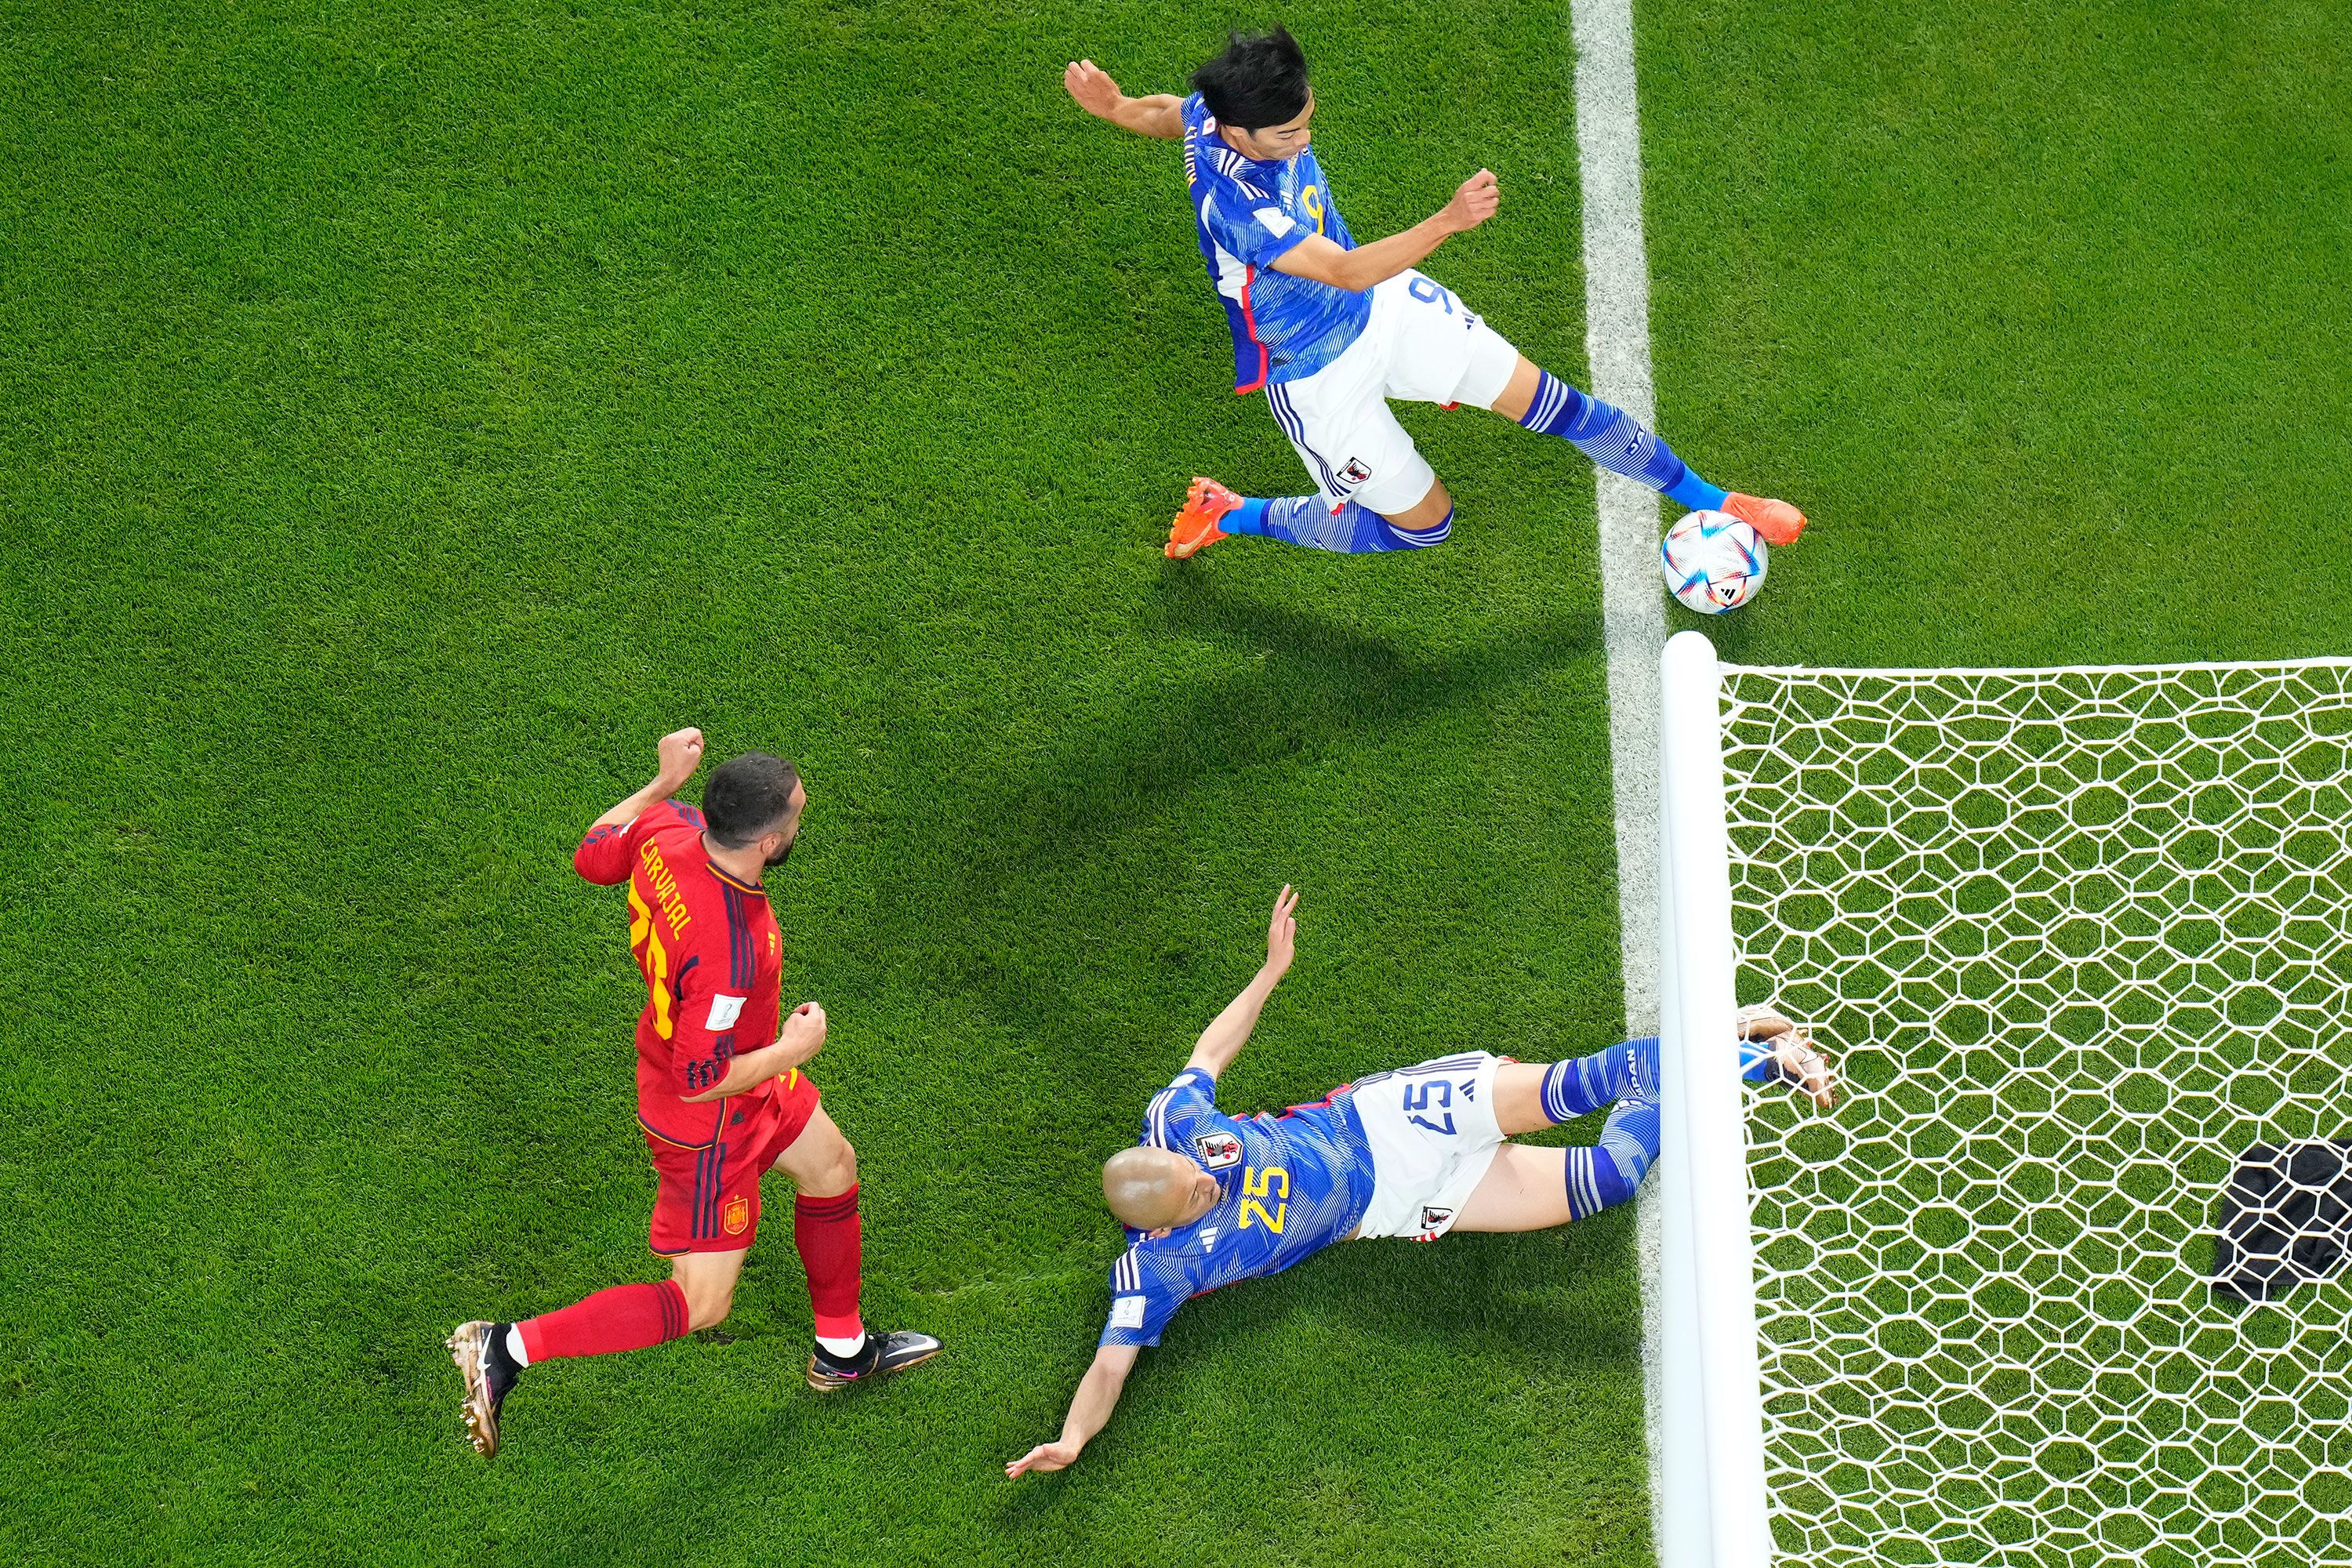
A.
x: 2083, y: 938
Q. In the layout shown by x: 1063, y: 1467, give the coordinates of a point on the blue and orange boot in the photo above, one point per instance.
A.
x: 1195, y: 528
x: 1777, y: 520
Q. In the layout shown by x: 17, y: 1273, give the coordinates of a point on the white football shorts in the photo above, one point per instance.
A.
x: 1433, y: 1134
x: 1422, y: 344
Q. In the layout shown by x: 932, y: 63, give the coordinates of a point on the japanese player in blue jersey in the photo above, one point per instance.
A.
x: 1209, y: 1198
x: 1331, y: 329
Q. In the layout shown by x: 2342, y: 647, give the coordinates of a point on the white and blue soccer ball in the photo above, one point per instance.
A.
x: 1713, y: 562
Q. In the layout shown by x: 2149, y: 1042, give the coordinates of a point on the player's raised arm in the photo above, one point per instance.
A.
x: 1090, y: 1407
x: 601, y: 857
x: 1325, y: 261
x: 1161, y: 115
x: 1223, y: 1040
x: 679, y: 753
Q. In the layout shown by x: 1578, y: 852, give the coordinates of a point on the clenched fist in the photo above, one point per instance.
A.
x: 1473, y: 203
x: 680, y: 753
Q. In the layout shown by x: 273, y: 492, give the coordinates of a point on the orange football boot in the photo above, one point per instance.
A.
x: 1195, y: 528
x: 1777, y: 520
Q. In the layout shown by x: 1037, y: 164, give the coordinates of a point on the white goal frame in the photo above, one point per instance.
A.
x: 1711, y: 1512
x: 1714, y: 1507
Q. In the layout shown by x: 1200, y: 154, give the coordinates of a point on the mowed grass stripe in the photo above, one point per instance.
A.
x: 408, y: 414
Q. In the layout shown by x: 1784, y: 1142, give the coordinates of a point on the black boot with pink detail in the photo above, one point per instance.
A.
x: 884, y: 1354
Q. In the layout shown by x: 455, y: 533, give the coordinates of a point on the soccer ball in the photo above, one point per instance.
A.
x: 1713, y: 562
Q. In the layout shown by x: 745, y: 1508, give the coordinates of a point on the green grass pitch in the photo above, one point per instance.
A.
x: 407, y: 411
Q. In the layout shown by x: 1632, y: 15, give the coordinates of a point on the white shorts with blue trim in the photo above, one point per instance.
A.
x: 1433, y: 1135
x: 1423, y: 345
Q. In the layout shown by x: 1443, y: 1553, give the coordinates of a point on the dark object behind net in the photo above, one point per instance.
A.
x: 2286, y: 1218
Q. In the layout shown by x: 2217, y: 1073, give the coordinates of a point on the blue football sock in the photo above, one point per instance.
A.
x: 1308, y: 520
x: 1247, y: 517
x: 1695, y: 494
x: 1584, y: 1084
x: 1603, y: 1176
x: 1617, y: 441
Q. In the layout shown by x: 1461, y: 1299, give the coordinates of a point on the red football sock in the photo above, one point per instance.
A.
x: 827, y: 1232
x: 625, y: 1317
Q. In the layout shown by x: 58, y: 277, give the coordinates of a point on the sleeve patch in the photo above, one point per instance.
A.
x: 1276, y: 223
x: 1127, y: 1312
x: 724, y: 1011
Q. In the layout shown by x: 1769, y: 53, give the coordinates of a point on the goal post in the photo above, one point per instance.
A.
x: 1711, y: 1466
x: 2081, y: 939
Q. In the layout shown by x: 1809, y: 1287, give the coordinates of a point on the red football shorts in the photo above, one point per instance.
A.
x: 709, y: 1199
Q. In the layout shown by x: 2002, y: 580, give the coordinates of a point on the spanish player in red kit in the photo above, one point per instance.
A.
x: 720, y: 1093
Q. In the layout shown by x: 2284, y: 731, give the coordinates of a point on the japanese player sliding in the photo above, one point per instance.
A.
x: 1331, y: 329
x: 1208, y: 1199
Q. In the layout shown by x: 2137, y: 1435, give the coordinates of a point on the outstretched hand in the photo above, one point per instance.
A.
x: 1092, y: 87
x: 1043, y: 1457
x: 1282, y: 932
x: 1474, y: 201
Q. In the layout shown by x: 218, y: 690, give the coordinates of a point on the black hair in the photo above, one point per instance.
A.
x: 1259, y: 80
x: 748, y: 795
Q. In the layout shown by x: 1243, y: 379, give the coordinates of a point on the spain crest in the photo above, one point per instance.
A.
x: 736, y: 1215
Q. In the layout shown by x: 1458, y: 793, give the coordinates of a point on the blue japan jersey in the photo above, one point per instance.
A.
x: 1290, y: 1185
x: 1250, y: 215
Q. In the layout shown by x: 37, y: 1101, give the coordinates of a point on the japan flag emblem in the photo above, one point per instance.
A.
x: 1218, y: 1149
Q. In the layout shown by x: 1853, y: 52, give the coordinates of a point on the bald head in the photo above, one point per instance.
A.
x: 1151, y: 1189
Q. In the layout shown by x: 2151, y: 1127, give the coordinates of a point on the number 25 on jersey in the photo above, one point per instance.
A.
x: 1258, y: 1184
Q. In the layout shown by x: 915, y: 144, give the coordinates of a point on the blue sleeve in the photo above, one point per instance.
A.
x: 1143, y: 1296
x: 1168, y: 1120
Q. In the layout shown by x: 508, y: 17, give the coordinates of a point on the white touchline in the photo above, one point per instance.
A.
x: 1633, y: 616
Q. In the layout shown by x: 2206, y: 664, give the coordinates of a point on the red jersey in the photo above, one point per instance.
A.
x: 713, y: 961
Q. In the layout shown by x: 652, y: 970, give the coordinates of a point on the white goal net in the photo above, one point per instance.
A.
x: 2080, y: 938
